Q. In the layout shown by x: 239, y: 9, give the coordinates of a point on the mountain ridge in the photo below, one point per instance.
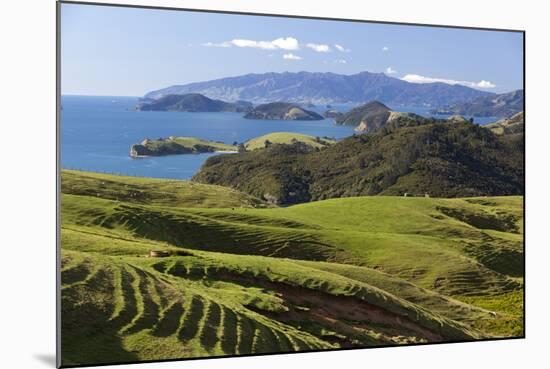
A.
x: 325, y: 88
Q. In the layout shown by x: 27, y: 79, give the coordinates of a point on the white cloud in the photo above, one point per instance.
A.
x: 341, y: 48
x: 320, y: 48
x: 291, y: 56
x: 288, y: 43
x: 385, y: 48
x: 415, y: 78
x: 220, y: 44
x: 485, y: 84
x: 389, y: 70
x: 340, y: 61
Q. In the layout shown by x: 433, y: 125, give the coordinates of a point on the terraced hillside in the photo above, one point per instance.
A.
x: 243, y: 277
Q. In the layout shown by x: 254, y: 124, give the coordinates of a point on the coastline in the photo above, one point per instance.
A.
x: 192, y: 153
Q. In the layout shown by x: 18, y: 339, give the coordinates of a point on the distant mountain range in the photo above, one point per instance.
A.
x: 503, y: 105
x: 326, y: 88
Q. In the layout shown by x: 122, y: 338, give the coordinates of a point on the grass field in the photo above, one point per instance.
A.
x: 287, y: 138
x: 245, y: 277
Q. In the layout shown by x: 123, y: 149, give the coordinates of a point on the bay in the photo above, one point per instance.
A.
x: 96, y: 133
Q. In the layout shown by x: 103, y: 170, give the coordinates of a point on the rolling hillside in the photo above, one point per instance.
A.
x: 244, y: 277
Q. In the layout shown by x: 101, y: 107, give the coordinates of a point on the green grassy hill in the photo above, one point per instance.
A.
x: 244, y: 278
x: 287, y: 138
x: 154, y: 191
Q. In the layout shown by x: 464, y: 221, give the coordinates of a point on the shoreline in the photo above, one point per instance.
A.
x: 193, y: 153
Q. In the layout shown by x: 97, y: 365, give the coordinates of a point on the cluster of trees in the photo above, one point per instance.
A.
x: 442, y: 159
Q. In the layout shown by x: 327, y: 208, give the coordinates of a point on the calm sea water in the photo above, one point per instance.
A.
x: 97, y: 132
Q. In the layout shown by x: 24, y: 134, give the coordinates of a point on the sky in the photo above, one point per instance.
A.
x: 117, y: 51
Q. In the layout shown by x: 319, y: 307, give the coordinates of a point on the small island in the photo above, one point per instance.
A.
x: 192, y: 145
x: 178, y: 145
x: 333, y: 113
x: 193, y: 103
x: 374, y: 115
x: 282, y: 111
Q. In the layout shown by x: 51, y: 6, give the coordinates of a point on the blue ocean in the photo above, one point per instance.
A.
x: 97, y: 132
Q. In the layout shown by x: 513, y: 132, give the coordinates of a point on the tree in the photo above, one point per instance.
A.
x: 267, y: 143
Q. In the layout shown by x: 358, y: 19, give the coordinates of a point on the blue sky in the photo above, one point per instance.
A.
x: 116, y: 51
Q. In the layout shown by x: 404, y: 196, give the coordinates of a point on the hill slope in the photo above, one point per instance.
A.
x: 513, y: 125
x: 154, y: 191
x: 442, y: 159
x: 326, y: 88
x: 240, y: 280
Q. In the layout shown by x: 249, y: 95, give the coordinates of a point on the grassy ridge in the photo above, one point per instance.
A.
x: 243, y: 277
x: 444, y: 254
x: 153, y: 191
x: 287, y: 138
